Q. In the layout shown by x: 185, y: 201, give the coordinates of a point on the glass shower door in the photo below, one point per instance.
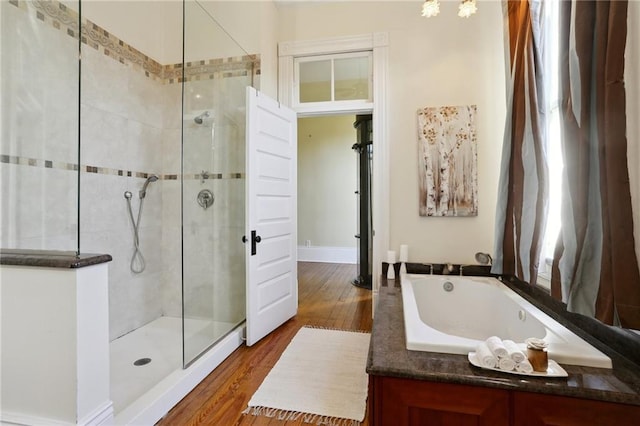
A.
x: 216, y: 71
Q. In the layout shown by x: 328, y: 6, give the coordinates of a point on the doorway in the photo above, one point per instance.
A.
x: 334, y: 225
x: 288, y: 94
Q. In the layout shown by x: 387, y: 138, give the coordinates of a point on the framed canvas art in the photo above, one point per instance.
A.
x: 447, y: 160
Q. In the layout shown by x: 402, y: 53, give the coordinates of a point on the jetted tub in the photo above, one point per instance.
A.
x: 475, y: 308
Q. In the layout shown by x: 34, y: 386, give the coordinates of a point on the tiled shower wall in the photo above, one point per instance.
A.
x: 130, y: 128
x: 122, y: 128
x: 38, y: 133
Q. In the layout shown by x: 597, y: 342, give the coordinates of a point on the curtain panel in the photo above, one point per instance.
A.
x: 595, y: 269
x: 523, y: 187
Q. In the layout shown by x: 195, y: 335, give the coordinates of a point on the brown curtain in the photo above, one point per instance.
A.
x: 595, y: 268
x: 522, y: 198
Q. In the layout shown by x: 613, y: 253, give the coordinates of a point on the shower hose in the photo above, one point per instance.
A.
x: 137, y: 254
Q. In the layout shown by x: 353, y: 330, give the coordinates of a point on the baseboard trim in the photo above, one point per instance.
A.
x: 102, y: 415
x: 328, y: 254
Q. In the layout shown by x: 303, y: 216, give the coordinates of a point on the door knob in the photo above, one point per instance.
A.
x: 255, y: 239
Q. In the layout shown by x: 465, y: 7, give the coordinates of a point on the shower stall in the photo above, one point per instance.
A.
x: 102, y: 116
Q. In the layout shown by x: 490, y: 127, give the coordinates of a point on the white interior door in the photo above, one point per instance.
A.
x: 270, y: 234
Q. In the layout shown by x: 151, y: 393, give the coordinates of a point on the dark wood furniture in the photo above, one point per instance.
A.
x: 398, y: 401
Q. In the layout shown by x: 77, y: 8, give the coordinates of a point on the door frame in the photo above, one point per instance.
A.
x: 378, y: 43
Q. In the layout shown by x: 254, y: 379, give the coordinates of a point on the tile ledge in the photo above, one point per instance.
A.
x: 51, y: 258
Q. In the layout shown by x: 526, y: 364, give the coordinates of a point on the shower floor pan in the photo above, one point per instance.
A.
x: 161, y: 341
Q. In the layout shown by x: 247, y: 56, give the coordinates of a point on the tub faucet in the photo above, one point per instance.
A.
x: 447, y: 269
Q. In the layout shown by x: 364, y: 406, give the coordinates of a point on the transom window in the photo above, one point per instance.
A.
x: 344, y: 78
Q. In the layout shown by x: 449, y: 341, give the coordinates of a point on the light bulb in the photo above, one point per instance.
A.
x: 430, y: 8
x: 467, y: 8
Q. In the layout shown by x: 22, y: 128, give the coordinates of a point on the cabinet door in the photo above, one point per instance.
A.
x: 531, y: 409
x: 414, y: 402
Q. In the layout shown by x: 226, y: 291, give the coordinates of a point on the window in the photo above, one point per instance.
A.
x: 553, y: 141
x: 334, y: 78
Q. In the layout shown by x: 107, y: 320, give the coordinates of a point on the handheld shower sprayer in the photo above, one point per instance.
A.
x: 137, y: 260
x: 143, y: 191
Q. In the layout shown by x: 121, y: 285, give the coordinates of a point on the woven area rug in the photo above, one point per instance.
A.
x: 320, y: 378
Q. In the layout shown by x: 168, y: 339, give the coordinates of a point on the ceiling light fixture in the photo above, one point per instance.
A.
x: 467, y: 8
x: 430, y: 8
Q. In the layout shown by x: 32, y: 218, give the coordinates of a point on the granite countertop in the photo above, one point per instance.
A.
x: 51, y: 259
x: 388, y: 356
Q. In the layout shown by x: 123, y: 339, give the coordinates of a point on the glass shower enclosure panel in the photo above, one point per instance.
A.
x: 216, y: 72
x: 39, y: 120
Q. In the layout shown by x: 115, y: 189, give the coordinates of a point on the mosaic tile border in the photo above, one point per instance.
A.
x: 65, y: 19
x: 61, y: 165
x: 240, y: 66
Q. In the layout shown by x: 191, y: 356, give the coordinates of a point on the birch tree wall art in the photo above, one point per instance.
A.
x: 448, y: 161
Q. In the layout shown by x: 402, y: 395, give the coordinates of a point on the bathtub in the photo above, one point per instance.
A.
x: 475, y: 308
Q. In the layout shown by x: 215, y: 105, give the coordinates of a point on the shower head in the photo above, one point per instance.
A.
x: 200, y: 118
x: 143, y: 191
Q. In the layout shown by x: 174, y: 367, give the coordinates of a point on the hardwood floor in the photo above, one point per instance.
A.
x: 326, y: 298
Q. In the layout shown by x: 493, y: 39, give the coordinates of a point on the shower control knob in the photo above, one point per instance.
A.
x: 205, y: 198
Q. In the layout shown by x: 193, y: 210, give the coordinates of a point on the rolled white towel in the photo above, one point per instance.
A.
x: 514, y: 351
x: 484, y: 355
x: 497, y: 347
x: 506, y: 364
x: 524, y: 367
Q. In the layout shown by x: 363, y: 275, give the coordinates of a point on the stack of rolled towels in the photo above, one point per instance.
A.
x: 502, y: 354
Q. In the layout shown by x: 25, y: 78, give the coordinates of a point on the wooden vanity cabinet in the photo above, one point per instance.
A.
x: 536, y: 409
x: 396, y: 402
x: 399, y: 402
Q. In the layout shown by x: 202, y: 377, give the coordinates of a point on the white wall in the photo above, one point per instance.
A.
x: 432, y: 62
x: 327, y: 179
x: 253, y: 25
x: 632, y: 83
x: 124, y: 18
x: 55, y: 345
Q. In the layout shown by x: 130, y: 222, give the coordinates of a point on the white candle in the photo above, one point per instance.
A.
x: 404, y: 253
x: 391, y: 257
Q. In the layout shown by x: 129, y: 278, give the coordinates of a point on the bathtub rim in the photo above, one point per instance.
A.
x: 416, y: 330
